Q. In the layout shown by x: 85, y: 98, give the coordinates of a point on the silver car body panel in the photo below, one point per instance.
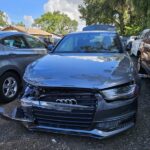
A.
x: 17, y: 59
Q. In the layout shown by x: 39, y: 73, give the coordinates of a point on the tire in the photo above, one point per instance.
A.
x: 9, y: 87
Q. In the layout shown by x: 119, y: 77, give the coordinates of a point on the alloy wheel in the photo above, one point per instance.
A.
x: 10, y: 87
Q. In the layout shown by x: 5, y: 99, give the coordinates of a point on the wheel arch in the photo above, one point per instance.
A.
x: 12, y: 69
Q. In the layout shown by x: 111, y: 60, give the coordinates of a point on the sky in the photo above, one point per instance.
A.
x: 27, y: 10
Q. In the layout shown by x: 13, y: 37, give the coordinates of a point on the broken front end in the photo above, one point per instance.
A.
x: 85, y: 112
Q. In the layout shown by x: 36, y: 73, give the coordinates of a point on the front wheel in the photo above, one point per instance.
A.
x: 9, y: 87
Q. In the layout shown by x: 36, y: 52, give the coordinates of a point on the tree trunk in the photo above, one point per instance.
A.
x: 122, y: 25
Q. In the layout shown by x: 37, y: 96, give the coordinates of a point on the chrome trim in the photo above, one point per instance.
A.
x: 67, y: 101
x: 28, y: 102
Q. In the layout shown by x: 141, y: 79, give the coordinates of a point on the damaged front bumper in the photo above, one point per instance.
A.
x: 14, y: 112
x: 109, y: 119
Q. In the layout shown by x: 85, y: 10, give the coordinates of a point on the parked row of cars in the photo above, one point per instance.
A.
x: 144, y: 55
x: 137, y: 43
x: 87, y: 86
x: 139, y: 47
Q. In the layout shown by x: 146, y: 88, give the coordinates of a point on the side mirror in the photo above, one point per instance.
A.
x: 50, y: 48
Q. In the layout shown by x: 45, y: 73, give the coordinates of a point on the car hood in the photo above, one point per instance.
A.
x: 97, y: 71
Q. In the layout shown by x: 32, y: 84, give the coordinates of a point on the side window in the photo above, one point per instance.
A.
x: 34, y: 42
x: 14, y: 42
x: 69, y: 45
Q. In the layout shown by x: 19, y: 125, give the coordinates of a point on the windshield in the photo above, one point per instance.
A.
x: 90, y: 43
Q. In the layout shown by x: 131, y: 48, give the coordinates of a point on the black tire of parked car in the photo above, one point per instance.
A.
x: 3, y: 78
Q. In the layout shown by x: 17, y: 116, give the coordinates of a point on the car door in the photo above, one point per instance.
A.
x: 2, y: 57
x: 135, y: 46
x: 146, y: 52
x: 18, y: 52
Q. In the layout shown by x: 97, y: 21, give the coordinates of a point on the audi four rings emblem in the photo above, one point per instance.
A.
x: 67, y: 101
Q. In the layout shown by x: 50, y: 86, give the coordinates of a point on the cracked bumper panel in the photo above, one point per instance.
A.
x: 14, y: 112
x: 109, y: 119
x: 95, y: 133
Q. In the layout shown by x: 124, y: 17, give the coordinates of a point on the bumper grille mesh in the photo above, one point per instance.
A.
x: 80, y: 119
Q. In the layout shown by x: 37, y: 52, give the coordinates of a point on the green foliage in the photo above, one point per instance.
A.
x: 56, y: 23
x: 129, y: 16
x: 142, y: 7
x: 132, y: 30
x: 2, y: 19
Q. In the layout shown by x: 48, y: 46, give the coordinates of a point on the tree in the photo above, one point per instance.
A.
x: 142, y: 7
x: 56, y: 23
x: 20, y: 24
x: 3, y: 22
x: 121, y: 13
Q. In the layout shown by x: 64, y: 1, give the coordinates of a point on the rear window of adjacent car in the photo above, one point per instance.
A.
x: 96, y: 42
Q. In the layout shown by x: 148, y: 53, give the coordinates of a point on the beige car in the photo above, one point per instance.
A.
x: 144, y: 58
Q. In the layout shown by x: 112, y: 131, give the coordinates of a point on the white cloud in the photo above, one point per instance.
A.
x: 69, y: 7
x: 28, y: 21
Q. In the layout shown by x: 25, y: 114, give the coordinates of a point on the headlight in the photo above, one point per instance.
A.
x: 123, y: 92
x: 31, y: 91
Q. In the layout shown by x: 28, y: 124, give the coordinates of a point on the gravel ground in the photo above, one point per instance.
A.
x: 14, y: 136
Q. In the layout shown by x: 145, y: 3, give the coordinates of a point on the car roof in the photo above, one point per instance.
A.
x: 145, y: 31
x: 89, y: 32
x: 100, y: 27
x: 4, y: 34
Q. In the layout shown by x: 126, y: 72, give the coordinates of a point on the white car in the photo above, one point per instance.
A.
x: 137, y: 43
x: 130, y: 41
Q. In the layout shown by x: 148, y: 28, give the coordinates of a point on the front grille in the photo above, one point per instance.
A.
x: 75, y: 119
